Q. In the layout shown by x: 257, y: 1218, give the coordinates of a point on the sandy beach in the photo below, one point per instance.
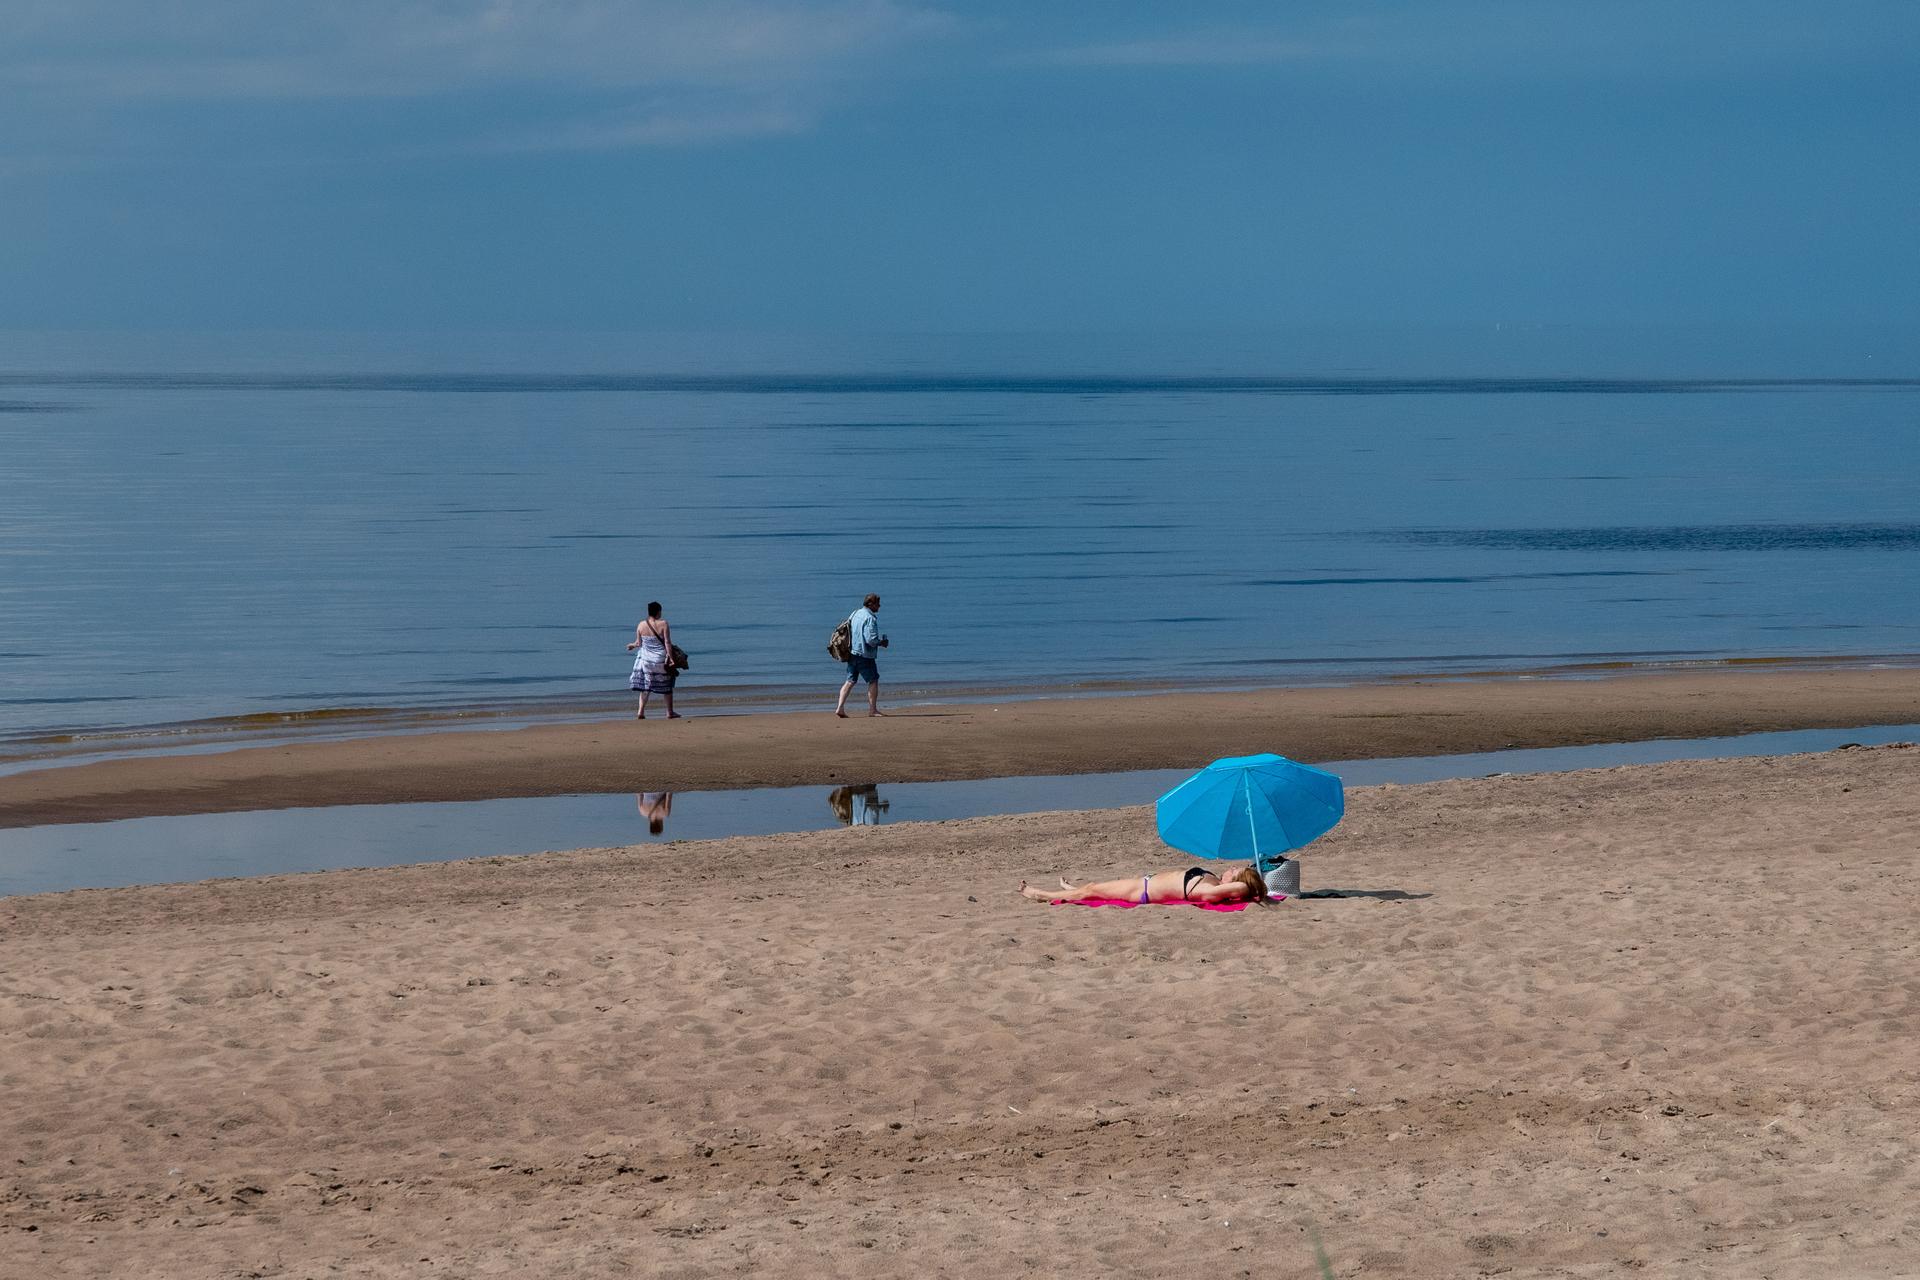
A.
x: 1654, y: 1020
x: 934, y: 743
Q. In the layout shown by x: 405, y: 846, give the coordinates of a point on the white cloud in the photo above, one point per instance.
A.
x: 1502, y: 37
x: 667, y: 127
x: 1194, y: 49
x: 727, y: 59
x: 221, y: 48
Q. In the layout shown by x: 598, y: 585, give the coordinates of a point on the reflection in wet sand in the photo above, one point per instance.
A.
x: 857, y: 806
x: 654, y: 807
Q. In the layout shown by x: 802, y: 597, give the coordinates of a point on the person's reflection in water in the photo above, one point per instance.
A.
x: 857, y: 806
x: 654, y: 807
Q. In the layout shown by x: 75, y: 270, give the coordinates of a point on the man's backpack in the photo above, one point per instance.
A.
x: 840, y: 643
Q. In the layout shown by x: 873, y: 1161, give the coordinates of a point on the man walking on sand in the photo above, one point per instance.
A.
x: 866, y: 643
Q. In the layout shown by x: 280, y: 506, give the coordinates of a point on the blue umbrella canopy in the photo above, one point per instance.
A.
x: 1252, y: 807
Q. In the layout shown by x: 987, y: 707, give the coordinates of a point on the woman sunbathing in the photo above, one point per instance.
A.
x: 1195, y: 884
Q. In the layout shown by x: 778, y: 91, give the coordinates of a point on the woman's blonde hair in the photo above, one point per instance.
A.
x: 1256, y: 883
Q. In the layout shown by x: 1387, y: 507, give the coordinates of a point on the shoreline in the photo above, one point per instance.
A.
x: 941, y: 742
x: 47, y: 748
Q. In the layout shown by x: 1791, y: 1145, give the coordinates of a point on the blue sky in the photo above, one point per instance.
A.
x: 888, y: 165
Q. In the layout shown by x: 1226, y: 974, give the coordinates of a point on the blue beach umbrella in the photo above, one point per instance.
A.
x: 1252, y: 807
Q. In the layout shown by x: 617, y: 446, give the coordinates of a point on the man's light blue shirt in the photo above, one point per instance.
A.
x: 866, y: 633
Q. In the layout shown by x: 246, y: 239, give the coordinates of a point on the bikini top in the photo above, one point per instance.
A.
x: 1186, y: 882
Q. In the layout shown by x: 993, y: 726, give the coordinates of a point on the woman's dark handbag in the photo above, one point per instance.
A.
x: 678, y: 657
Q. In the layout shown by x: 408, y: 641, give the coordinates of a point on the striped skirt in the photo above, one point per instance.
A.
x: 652, y: 679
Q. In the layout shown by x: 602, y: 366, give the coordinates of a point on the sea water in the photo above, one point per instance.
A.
x: 227, y: 534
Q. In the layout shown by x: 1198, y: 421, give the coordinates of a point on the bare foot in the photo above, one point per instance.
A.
x: 673, y: 715
x: 1037, y: 895
x: 876, y: 713
x: 639, y: 716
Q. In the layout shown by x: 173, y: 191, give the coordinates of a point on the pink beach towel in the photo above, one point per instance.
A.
x: 1204, y: 906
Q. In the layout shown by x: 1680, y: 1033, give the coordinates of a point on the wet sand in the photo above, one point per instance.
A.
x: 1654, y: 1021
x: 933, y: 743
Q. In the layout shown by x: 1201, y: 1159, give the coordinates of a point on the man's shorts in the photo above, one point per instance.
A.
x: 862, y: 666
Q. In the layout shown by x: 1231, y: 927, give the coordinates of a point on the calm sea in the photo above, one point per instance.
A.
x: 223, y: 533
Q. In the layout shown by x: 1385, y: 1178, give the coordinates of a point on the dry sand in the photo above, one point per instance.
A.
x: 931, y: 743
x: 1655, y: 1021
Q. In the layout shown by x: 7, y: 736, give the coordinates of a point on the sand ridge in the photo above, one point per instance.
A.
x: 931, y: 743
x: 1655, y: 1019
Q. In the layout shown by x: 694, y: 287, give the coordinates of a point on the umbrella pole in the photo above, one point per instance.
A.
x: 1246, y: 793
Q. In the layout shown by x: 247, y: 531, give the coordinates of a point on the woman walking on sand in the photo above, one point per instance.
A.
x: 653, y: 670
